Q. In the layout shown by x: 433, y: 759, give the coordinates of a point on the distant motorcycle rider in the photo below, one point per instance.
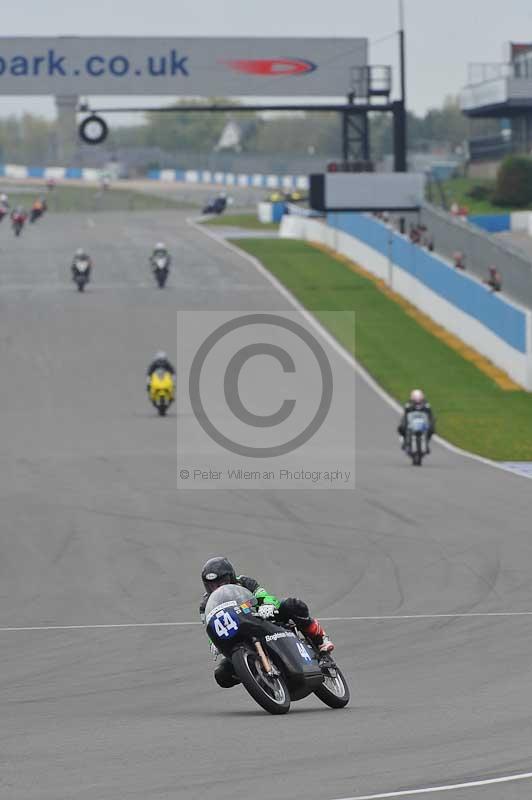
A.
x: 37, y: 209
x: 80, y: 256
x: 417, y: 402
x: 4, y: 206
x: 160, y: 251
x: 19, y: 214
x: 219, y: 571
x: 159, y: 362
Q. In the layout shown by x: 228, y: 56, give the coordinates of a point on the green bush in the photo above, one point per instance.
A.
x: 480, y: 191
x: 514, y: 181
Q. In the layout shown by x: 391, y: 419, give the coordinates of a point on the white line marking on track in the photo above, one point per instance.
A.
x: 376, y: 618
x: 96, y: 627
x: 337, y: 347
x: 432, y: 789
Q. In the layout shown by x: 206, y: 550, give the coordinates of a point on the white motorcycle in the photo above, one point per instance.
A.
x: 416, y: 440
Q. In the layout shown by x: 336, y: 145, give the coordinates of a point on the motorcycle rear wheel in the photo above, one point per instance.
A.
x: 270, y: 693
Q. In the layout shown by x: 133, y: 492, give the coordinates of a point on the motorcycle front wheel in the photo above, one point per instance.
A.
x: 334, y: 691
x: 270, y: 692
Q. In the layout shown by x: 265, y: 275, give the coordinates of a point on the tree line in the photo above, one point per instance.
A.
x: 29, y: 139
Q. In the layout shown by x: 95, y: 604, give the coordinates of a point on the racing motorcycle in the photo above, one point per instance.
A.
x: 36, y: 213
x: 275, y: 663
x: 216, y: 205
x: 416, y: 444
x: 162, y: 390
x: 160, y: 267
x: 81, y: 273
x: 17, y: 222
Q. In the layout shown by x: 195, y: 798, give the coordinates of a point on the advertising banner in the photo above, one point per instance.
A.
x: 185, y: 66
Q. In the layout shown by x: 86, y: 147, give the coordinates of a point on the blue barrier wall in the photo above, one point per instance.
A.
x: 494, y: 312
x: 492, y: 223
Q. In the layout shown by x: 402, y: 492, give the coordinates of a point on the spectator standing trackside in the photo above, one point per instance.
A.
x: 459, y: 260
x: 494, y: 281
x: 414, y: 234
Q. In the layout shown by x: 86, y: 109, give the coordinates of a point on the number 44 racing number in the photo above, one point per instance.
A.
x: 225, y: 625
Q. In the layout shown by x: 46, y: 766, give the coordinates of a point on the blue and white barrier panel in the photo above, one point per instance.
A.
x: 496, y: 223
x: 491, y: 324
x: 228, y: 179
x: 257, y: 181
x: 19, y: 172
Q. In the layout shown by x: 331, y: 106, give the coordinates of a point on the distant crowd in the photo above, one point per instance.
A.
x: 419, y: 234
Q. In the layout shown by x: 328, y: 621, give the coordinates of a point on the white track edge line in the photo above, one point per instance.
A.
x: 374, y: 618
x: 432, y: 789
x: 335, y: 344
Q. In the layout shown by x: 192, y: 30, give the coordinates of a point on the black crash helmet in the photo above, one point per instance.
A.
x: 217, y: 572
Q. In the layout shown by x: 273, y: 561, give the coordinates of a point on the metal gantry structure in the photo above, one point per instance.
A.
x: 370, y: 93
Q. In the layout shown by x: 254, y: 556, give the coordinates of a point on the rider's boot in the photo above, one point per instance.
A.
x: 318, y: 637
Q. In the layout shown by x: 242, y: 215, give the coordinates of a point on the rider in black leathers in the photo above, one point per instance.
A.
x: 219, y: 571
x: 81, y: 255
x: 417, y: 402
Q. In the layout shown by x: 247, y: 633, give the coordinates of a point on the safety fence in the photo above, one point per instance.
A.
x: 481, y: 251
x: 257, y: 180
x: 493, y: 325
x: 227, y: 179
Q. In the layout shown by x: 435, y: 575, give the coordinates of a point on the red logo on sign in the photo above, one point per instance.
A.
x: 272, y: 67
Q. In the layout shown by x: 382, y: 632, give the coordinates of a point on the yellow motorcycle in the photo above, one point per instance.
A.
x: 162, y: 390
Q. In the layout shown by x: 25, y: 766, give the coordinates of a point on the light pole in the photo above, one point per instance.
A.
x: 399, y: 115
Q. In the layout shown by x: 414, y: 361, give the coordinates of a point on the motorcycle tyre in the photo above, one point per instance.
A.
x: 329, y: 698
x: 249, y: 683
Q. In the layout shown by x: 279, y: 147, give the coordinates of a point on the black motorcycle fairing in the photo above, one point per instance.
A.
x: 295, y: 658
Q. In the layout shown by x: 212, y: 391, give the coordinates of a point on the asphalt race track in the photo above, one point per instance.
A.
x: 94, y: 532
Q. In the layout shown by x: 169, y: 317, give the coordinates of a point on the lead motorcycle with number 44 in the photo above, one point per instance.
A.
x: 274, y: 662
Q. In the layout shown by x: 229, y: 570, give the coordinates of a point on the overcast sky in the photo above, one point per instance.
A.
x: 442, y: 35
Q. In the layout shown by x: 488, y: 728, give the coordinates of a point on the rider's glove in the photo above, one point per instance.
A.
x: 214, y: 651
x: 266, y: 611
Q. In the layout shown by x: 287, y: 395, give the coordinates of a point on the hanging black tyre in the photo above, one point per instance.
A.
x: 270, y: 692
x: 334, y: 691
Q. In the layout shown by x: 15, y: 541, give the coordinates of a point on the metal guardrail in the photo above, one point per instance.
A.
x: 481, y: 250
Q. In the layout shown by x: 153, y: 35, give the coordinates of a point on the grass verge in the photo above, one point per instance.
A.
x: 471, y: 410
x: 88, y: 198
x: 243, y: 221
x: 457, y: 191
